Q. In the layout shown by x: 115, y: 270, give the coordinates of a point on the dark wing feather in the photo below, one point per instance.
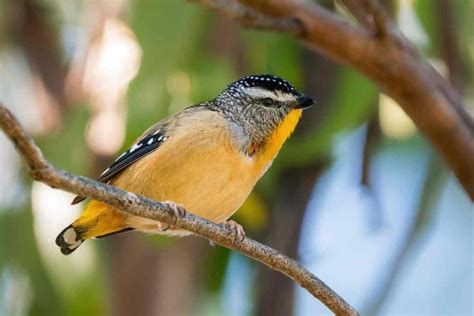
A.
x: 143, y: 147
x: 147, y: 145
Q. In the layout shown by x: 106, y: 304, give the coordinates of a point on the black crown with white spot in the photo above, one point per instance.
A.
x: 268, y: 82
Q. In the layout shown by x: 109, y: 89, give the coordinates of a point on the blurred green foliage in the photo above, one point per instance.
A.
x: 175, y: 38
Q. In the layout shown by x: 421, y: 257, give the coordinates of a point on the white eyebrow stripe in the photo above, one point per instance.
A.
x: 263, y: 93
x: 260, y: 93
x: 284, y: 97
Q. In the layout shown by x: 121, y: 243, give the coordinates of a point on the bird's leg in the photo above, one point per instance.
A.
x: 177, y: 210
x: 236, y: 230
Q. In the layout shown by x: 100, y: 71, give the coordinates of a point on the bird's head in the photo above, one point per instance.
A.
x: 266, y: 92
x: 259, y: 103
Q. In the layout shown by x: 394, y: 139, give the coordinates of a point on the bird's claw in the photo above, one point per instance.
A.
x: 236, y: 230
x: 176, y: 210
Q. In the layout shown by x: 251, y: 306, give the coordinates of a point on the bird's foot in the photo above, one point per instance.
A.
x: 176, y: 210
x: 236, y: 230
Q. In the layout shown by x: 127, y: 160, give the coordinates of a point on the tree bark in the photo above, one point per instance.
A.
x: 383, y: 55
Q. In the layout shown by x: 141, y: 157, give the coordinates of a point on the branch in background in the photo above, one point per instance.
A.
x: 450, y: 46
x: 431, y: 192
x: 41, y: 170
x: 370, y: 14
x: 372, y: 139
x: 436, y: 175
x: 390, y: 61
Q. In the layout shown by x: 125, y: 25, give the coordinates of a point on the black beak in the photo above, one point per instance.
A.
x: 304, y: 102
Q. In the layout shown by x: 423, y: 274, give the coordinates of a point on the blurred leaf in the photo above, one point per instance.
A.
x: 163, y: 31
x: 66, y: 147
x: 159, y: 241
x: 19, y: 249
x: 274, y: 54
x: 253, y: 214
x: 86, y: 299
x: 426, y: 11
x: 354, y: 102
x: 209, y: 78
x: 217, y: 265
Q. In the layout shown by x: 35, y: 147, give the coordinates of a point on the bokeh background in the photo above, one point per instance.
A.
x: 357, y: 195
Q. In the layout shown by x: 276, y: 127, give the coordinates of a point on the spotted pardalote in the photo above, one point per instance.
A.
x: 206, y: 159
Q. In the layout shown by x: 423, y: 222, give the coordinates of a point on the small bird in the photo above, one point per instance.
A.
x: 205, y: 159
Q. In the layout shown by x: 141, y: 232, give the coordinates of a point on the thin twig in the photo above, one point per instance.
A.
x: 392, y: 63
x: 370, y: 14
x: 42, y: 170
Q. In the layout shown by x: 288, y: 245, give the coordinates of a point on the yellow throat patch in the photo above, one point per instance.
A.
x: 278, y: 138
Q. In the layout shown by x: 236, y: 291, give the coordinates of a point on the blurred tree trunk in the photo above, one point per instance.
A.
x: 31, y: 31
x: 151, y: 280
x: 147, y: 279
x: 275, y: 294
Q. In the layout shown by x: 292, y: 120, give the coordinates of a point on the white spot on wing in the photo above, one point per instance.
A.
x: 118, y: 158
x: 135, y: 147
x: 106, y: 170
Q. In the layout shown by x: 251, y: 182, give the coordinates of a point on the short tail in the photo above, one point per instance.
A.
x: 70, y: 238
x: 98, y: 220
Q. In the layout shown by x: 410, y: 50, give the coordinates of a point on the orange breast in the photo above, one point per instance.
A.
x: 277, y: 139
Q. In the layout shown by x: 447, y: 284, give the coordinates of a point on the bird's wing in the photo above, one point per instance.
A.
x: 144, y: 145
x: 139, y: 150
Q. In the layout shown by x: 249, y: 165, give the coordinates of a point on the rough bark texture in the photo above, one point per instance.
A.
x: 41, y: 170
x: 378, y: 50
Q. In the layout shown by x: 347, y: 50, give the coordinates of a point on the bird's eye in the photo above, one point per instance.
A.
x: 267, y: 102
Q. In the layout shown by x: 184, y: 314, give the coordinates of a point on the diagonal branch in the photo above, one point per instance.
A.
x: 390, y: 61
x: 42, y: 170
